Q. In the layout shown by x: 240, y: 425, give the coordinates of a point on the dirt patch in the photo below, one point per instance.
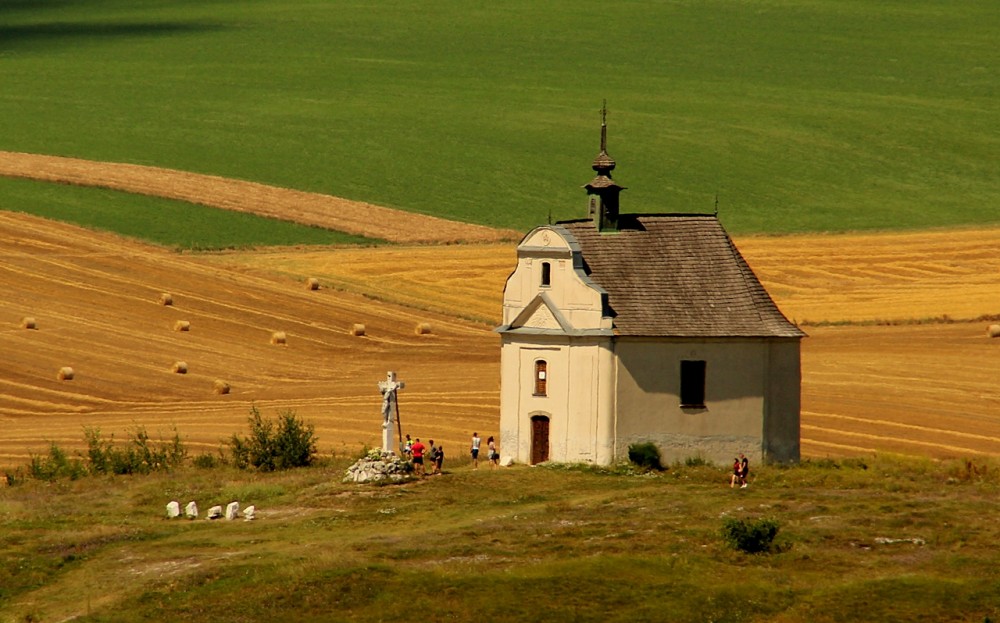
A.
x: 325, y: 211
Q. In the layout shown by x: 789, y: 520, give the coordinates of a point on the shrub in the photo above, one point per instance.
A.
x: 750, y: 536
x: 645, y: 455
x: 138, y: 456
x: 206, y: 461
x: 56, y: 465
x: 291, y: 444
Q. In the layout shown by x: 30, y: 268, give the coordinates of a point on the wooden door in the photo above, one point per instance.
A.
x: 539, y: 439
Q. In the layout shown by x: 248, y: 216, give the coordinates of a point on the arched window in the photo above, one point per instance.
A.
x: 541, y: 374
x: 546, y: 274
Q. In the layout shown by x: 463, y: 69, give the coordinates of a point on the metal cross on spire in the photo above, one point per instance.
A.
x: 604, y: 127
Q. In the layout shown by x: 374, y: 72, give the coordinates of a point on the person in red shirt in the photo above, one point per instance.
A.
x: 417, y: 449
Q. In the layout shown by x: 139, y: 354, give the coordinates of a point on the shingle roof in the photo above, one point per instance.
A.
x: 677, y: 275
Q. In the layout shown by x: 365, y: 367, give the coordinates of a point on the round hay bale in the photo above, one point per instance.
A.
x: 993, y: 330
x: 166, y: 299
x: 278, y: 337
x: 312, y: 283
x: 220, y: 387
x: 65, y: 374
x: 424, y: 328
x: 358, y: 330
x: 28, y: 323
x: 182, y: 325
x: 179, y: 367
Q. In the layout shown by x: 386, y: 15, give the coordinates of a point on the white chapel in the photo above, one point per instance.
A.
x: 625, y: 328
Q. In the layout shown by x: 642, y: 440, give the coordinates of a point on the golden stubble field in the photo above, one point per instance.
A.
x: 927, y: 388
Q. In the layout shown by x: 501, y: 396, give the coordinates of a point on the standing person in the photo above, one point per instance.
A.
x: 407, y: 445
x: 737, y: 469
x: 744, y: 470
x: 431, y: 451
x: 475, y: 450
x: 438, y: 459
x: 494, y: 457
x: 417, y: 449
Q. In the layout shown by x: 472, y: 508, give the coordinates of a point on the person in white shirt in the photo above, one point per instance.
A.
x: 475, y: 450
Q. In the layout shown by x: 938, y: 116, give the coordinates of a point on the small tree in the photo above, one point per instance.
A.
x: 267, y: 448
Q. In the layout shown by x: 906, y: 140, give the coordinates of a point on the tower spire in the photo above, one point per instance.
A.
x: 602, y: 190
x: 604, y: 127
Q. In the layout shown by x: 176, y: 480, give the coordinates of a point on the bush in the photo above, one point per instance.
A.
x: 206, y: 461
x: 138, y: 456
x: 750, y: 536
x: 291, y: 444
x: 56, y: 465
x: 645, y: 455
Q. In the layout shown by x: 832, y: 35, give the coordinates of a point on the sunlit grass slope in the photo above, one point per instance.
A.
x: 798, y: 114
x: 860, y: 540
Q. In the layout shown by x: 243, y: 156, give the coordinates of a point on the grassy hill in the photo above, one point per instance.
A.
x: 875, y: 540
x: 799, y: 115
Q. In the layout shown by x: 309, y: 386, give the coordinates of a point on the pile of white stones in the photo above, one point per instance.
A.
x: 191, y: 511
x: 377, y: 466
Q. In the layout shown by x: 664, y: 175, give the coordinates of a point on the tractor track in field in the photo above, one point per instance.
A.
x: 307, y: 208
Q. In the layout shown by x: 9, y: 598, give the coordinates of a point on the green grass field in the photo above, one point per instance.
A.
x: 800, y: 114
x: 876, y: 540
x: 174, y: 224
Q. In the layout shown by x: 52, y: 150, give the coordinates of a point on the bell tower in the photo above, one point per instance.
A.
x: 602, y: 191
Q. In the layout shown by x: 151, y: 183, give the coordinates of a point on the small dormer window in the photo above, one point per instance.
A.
x: 546, y: 274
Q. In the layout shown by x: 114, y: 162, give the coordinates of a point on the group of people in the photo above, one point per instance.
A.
x: 418, y: 453
x: 741, y: 469
x: 491, y: 447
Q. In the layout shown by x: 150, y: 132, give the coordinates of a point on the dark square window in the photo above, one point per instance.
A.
x: 546, y: 274
x: 693, y: 384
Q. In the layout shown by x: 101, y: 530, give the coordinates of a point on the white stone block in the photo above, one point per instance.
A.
x: 191, y: 510
x: 232, y: 510
x: 248, y: 513
x: 215, y: 512
x: 173, y: 509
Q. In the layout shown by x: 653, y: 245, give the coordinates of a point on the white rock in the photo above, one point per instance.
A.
x: 215, y: 512
x: 248, y: 513
x: 232, y: 510
x: 506, y: 461
x: 173, y: 509
x: 191, y: 510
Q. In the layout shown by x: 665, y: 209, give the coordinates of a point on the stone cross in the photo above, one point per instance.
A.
x: 390, y: 409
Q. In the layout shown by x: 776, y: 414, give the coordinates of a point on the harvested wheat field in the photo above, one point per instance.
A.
x: 95, y: 301
x: 911, y: 370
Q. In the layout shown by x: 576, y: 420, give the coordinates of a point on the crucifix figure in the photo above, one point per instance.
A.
x: 390, y: 410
